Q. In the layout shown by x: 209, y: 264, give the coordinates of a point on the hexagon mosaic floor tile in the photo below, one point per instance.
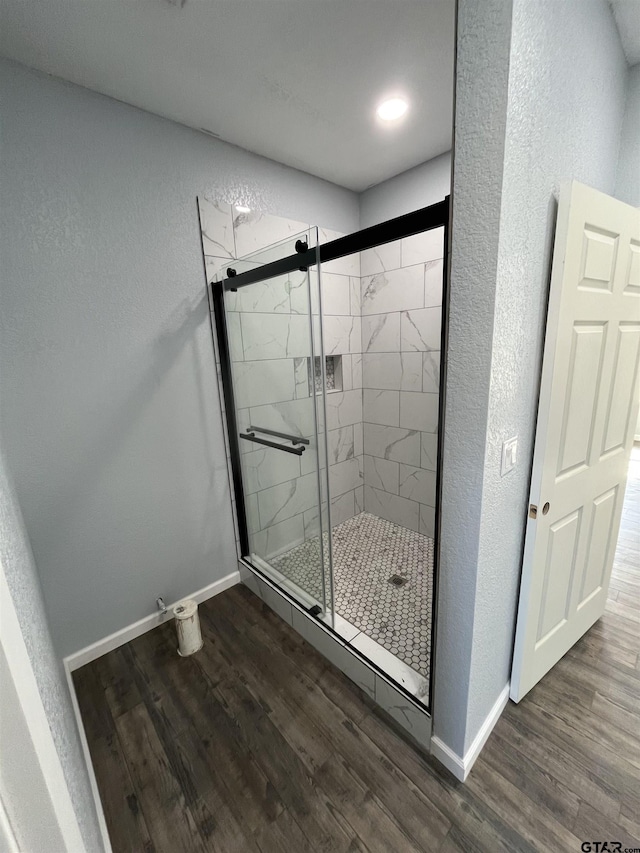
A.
x: 367, y: 552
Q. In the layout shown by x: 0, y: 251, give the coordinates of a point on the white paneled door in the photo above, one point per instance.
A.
x: 586, y: 423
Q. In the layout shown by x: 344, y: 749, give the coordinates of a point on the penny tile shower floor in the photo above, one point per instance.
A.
x: 367, y: 552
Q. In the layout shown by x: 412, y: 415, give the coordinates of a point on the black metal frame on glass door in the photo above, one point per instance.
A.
x: 418, y: 221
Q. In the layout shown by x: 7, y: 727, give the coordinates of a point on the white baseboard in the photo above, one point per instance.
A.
x: 130, y: 632
x: 102, y: 823
x: 113, y: 641
x: 461, y: 765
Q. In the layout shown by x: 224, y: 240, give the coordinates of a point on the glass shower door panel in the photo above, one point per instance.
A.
x: 272, y: 349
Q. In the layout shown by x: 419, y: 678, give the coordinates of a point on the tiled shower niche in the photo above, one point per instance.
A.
x: 332, y: 373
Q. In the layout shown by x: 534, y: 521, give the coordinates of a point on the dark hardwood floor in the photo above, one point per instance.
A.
x: 256, y: 743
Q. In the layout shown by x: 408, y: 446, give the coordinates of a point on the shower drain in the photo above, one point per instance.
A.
x: 398, y: 580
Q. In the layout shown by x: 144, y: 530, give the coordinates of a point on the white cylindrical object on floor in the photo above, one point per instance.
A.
x: 187, y: 627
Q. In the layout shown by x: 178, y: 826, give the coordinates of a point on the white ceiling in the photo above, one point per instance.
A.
x: 293, y: 80
x: 627, y: 15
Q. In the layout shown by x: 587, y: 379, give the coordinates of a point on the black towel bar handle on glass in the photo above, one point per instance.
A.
x: 251, y: 436
x: 294, y: 439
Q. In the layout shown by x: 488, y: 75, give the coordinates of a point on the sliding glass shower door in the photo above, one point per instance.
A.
x: 275, y: 361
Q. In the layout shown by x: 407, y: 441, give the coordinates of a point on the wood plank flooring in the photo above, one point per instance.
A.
x: 257, y: 744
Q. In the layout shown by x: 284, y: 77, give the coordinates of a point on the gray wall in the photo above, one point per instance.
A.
x: 481, y: 103
x: 22, y: 579
x: 628, y: 174
x: 110, y: 410
x: 565, y: 107
x: 418, y: 187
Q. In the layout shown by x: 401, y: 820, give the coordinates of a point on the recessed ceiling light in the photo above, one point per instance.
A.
x: 242, y: 209
x: 392, y: 109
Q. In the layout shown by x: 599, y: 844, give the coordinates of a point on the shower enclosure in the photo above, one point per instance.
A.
x: 331, y: 529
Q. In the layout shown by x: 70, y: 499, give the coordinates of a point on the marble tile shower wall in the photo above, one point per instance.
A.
x: 401, y: 301
x: 269, y: 342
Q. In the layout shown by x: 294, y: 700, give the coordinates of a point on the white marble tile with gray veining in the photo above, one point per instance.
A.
x: 344, y: 373
x: 303, y: 291
x: 382, y: 474
x: 340, y: 444
x: 345, y: 476
x: 234, y: 336
x: 381, y: 407
x: 293, y: 417
x: 278, y: 603
x: 273, y: 336
x: 381, y: 332
x: 344, y: 408
x: 355, y: 288
x: 429, y: 451
x: 411, y: 680
x: 342, y: 507
x: 301, y: 377
x: 358, y: 497
x: 431, y: 372
x: 393, y: 508
x: 399, y: 445
x: 396, y: 290
x: 259, y: 382
x: 420, y: 330
x: 325, y: 643
x: 251, y: 512
x: 263, y: 297
x: 311, y: 519
x: 419, y: 411
x: 356, y: 370
x: 216, y: 268
x: 268, y: 467
x: 404, y: 712
x: 420, y: 248
x: 380, y: 259
x: 243, y: 421
x: 342, y: 334
x: 349, y: 265
x: 256, y: 231
x: 433, y: 272
x: 336, y: 294
x: 309, y: 460
x: 392, y: 371
x: 358, y: 439
x: 216, y: 223
x: 287, y: 499
x: 427, y: 520
x: 417, y: 484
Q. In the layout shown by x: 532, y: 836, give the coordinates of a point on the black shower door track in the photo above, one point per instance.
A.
x: 418, y: 221
x: 425, y: 219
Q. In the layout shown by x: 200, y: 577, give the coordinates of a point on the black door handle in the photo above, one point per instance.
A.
x: 298, y: 451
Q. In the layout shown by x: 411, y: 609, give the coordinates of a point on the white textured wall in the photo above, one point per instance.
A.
x: 110, y: 410
x: 23, y: 791
x: 628, y: 174
x: 564, y: 114
x: 481, y: 103
x: 22, y: 580
x: 418, y: 187
x: 566, y: 101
